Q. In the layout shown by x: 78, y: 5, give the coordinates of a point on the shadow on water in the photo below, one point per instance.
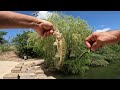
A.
x: 112, y: 71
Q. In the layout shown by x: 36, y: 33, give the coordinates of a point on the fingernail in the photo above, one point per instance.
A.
x: 51, y: 31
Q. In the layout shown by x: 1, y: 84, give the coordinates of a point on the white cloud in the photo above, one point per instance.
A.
x: 103, y: 30
x: 43, y: 14
x: 102, y: 25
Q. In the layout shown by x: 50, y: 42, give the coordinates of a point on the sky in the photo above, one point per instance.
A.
x: 100, y: 20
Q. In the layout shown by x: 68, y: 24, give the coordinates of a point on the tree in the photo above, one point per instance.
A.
x: 2, y: 40
x: 20, y: 42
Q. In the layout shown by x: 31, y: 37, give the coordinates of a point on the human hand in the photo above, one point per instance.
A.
x: 99, y: 39
x: 45, y: 28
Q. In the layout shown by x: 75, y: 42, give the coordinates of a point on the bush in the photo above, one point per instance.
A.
x: 110, y: 53
x: 35, y: 41
x: 6, y: 47
x: 2, y: 40
x: 21, y: 44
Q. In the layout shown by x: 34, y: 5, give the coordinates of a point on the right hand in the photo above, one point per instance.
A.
x: 99, y: 39
x: 45, y: 28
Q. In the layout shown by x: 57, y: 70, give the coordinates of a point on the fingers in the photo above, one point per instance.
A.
x: 47, y: 33
x: 96, y: 45
x: 48, y: 28
x: 51, y: 32
x: 47, y: 25
x: 52, y: 28
x: 90, y: 40
x: 88, y: 44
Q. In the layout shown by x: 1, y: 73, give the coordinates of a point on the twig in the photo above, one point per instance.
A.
x: 84, y: 53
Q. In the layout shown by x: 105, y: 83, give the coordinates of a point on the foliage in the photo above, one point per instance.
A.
x: 75, y: 31
x: 97, y: 60
x: 6, y: 47
x: 2, y: 40
x: 20, y: 42
x: 110, y: 52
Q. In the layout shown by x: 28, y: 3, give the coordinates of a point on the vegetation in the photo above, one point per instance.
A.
x: 4, y: 45
x: 75, y: 31
x: 2, y: 40
x: 21, y: 44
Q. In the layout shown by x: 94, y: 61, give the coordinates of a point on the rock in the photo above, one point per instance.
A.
x: 37, y: 67
x: 18, y: 66
x: 25, y: 57
x: 36, y: 63
x: 23, y: 70
x: 42, y: 76
x: 24, y: 74
x: 29, y: 70
x: 21, y: 63
x: 16, y: 70
x: 28, y: 76
x: 28, y: 65
x: 32, y: 68
x: 11, y: 76
x: 39, y: 72
x: 25, y: 65
x: 51, y: 77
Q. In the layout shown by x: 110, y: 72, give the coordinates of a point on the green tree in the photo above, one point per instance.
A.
x: 20, y: 42
x: 2, y: 39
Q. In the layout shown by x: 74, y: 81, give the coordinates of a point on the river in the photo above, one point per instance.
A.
x: 112, y: 71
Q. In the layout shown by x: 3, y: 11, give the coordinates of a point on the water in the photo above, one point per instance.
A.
x: 112, y: 71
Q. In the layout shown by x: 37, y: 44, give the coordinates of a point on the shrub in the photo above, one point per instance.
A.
x: 21, y: 44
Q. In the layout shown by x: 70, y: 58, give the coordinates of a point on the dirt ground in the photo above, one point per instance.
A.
x: 9, y: 56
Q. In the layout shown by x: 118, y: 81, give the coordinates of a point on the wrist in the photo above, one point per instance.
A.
x: 36, y: 22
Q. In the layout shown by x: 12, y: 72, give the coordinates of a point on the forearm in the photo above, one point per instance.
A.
x: 116, y: 33
x: 14, y: 20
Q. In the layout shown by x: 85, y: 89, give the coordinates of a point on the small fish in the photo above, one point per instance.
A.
x: 61, y: 48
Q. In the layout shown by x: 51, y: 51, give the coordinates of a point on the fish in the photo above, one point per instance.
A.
x: 61, y: 48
